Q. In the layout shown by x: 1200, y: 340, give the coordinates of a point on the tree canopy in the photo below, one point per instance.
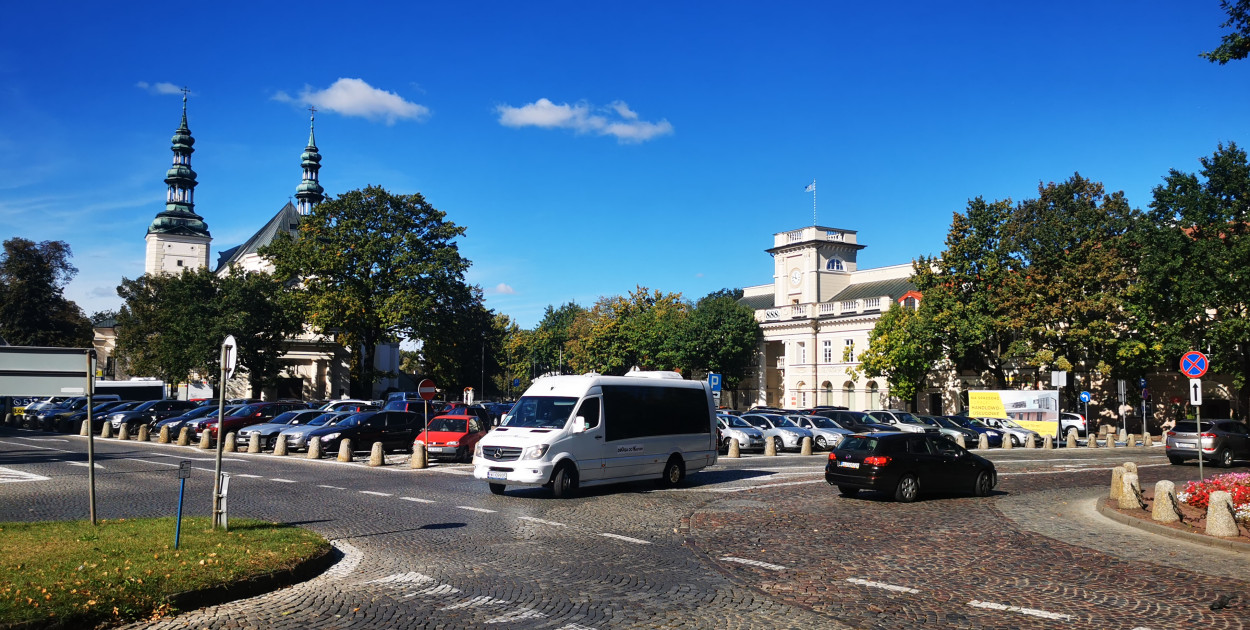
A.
x: 373, y: 267
x: 33, y: 308
x: 1234, y: 45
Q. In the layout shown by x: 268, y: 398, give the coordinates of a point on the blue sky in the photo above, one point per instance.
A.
x: 591, y: 147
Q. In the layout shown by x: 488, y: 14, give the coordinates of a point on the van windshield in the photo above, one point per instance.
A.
x: 541, y: 412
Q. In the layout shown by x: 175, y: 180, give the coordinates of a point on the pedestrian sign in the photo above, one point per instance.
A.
x: 1084, y: 397
x: 714, y: 381
x: 1194, y: 364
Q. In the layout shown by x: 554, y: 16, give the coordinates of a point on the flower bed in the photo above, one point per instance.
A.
x: 1237, y: 485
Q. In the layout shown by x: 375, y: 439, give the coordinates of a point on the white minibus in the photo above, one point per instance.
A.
x: 567, y: 432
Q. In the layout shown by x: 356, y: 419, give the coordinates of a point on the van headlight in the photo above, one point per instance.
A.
x: 477, y: 450
x: 535, y: 452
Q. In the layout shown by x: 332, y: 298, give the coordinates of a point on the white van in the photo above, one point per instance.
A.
x: 571, y: 431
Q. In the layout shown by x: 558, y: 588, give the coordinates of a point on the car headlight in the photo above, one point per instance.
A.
x: 454, y: 443
x: 477, y: 450
x: 330, y: 436
x: 535, y: 452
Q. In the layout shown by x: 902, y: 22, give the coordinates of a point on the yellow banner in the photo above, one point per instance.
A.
x: 985, y: 405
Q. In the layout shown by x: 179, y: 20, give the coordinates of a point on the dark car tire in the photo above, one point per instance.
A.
x: 984, y: 484
x: 496, y: 488
x: 1176, y: 461
x: 1224, y: 458
x: 778, y: 443
x: 821, y: 442
x: 462, y: 455
x: 724, y: 445
x: 1015, y: 441
x: 674, y: 472
x: 847, y: 491
x: 908, y: 489
x: 564, y: 482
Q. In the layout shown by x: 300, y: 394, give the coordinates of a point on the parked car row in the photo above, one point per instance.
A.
x: 828, y: 427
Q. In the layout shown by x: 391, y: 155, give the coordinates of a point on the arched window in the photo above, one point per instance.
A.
x: 835, y: 264
x: 872, y: 395
x: 802, y: 397
x: 910, y: 303
x: 827, y: 389
x: 848, y: 394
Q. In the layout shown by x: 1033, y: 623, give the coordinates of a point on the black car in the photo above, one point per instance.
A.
x: 69, y: 423
x: 394, y: 429
x: 856, y: 421
x: 906, y: 464
x: 149, y: 413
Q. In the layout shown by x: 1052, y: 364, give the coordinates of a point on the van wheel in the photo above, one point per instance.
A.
x: 564, y: 482
x: 674, y: 472
x: 908, y: 489
x: 496, y: 488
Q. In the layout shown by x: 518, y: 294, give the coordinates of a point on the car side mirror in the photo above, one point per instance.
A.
x: 579, y: 424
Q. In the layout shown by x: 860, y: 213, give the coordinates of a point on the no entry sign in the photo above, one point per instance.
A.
x: 426, y: 389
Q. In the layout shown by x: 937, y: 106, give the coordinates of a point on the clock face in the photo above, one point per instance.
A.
x: 795, y: 276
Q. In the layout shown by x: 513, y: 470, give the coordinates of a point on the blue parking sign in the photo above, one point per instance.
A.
x: 714, y: 381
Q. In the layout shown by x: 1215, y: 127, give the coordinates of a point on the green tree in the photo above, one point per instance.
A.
x: 513, y: 356
x: 638, y: 330
x: 466, y: 352
x: 1235, y: 45
x: 899, y: 350
x: 374, y: 267
x: 720, y: 336
x: 548, y: 345
x: 33, y: 308
x: 262, y: 314
x: 1195, y: 278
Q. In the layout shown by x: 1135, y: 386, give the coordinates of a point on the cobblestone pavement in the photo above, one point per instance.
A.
x: 754, y: 543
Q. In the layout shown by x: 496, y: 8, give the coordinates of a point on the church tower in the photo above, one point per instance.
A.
x: 178, y: 238
x: 310, y: 193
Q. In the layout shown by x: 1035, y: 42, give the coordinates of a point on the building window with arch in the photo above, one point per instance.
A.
x: 802, y: 397
x: 827, y: 389
x: 911, y: 303
x: 873, y: 390
x: 835, y: 264
x: 848, y: 394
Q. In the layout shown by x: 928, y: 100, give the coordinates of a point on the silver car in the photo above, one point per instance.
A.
x: 783, y: 432
x: 1017, y: 434
x: 826, y: 434
x: 902, y: 420
x: 297, y: 436
x: 735, y: 428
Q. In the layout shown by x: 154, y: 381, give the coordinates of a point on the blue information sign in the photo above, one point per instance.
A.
x: 714, y: 380
x: 1194, y: 364
x: 1085, y: 397
x: 516, y: 382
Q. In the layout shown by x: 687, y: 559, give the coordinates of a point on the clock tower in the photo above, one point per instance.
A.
x: 812, y: 264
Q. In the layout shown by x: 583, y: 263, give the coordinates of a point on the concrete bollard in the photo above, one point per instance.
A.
x: 1130, y: 467
x: 253, y: 443
x: 145, y: 433
x: 1092, y: 440
x: 1165, y: 508
x: 1146, y: 440
x: 1007, y: 441
x: 206, y: 440
x: 376, y: 457
x: 734, y: 450
x: 279, y: 447
x: 1048, y: 443
x: 1111, y: 439
x: 124, y: 432
x: 1130, y: 495
x: 806, y: 449
x: 163, y: 438
x: 231, y: 444
x: 1220, y: 520
x: 1071, y: 443
x: 345, y: 450
x: 983, y: 442
x: 1124, y: 436
x: 8, y: 419
x: 184, y: 437
x: 84, y: 428
x: 959, y: 439
x: 106, y: 430
x: 314, y: 449
x: 1117, y: 482
x: 1030, y: 442
x: 770, y: 446
x: 419, y: 459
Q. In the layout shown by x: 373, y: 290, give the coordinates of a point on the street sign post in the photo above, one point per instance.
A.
x: 427, y: 390
x: 184, y: 471
x: 229, y: 359
x: 1084, y: 397
x: 1059, y: 378
x: 1195, y: 392
x: 1194, y: 364
x: 1121, y: 387
x: 714, y: 381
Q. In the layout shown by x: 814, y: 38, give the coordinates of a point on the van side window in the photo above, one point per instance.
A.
x: 590, y: 411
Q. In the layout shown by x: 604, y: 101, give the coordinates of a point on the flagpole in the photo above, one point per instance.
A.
x: 814, y: 202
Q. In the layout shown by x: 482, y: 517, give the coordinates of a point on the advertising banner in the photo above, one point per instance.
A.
x: 1036, y: 410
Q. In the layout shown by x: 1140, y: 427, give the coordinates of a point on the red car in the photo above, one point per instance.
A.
x: 453, y: 436
x: 255, y: 413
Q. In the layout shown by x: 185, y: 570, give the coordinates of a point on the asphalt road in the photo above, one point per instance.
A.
x: 752, y: 543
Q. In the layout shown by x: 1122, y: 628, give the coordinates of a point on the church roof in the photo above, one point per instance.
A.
x: 893, y: 288
x: 757, y: 302
x: 287, y: 220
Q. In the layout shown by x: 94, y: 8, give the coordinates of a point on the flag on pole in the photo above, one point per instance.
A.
x: 811, y: 187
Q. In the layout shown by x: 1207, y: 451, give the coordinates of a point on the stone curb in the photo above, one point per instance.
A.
x: 1154, y: 528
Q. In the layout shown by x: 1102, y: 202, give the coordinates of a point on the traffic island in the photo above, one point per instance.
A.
x: 127, y: 570
x: 1189, y: 515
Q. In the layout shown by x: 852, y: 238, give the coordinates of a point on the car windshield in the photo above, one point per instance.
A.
x: 203, y: 411
x: 355, y: 419
x: 1011, y: 424
x: 822, y: 422
x: 903, y: 416
x: 946, y: 422
x: 757, y: 422
x: 290, y: 417
x: 927, y: 420
x: 541, y: 412
x: 248, y: 410
x: 449, y: 425
x: 858, y: 443
x: 1191, y: 427
x: 147, y: 405
x: 782, y: 421
x: 735, y: 421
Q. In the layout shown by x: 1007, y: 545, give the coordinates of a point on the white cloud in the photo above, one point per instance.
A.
x: 617, y: 119
x: 354, y: 97
x: 159, y: 88
x: 503, y: 289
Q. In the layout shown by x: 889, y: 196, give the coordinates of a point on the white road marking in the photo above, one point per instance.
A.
x: 376, y: 494
x: 627, y: 539
x: 453, y: 471
x: 197, y: 459
x: 476, y: 509
x: 574, y: 626
x: 8, y: 475
x: 144, y: 461
x: 767, y: 485
x: 754, y: 563
x: 1070, y: 471
x: 411, y: 577
x: 524, y: 613
x: 1024, y: 611
x: 888, y: 587
x: 351, y: 559
x: 332, y: 487
x: 42, y: 448
x: 416, y: 500
x: 84, y: 464
x: 42, y: 439
x: 539, y: 520
x: 480, y: 600
x: 280, y: 480
x: 441, y: 589
x: 246, y: 476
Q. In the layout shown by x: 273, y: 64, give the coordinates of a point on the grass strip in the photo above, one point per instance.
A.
x: 75, y: 574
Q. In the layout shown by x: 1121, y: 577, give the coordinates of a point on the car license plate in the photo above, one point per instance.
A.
x: 1185, y: 444
x: 848, y: 464
x: 496, y: 474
